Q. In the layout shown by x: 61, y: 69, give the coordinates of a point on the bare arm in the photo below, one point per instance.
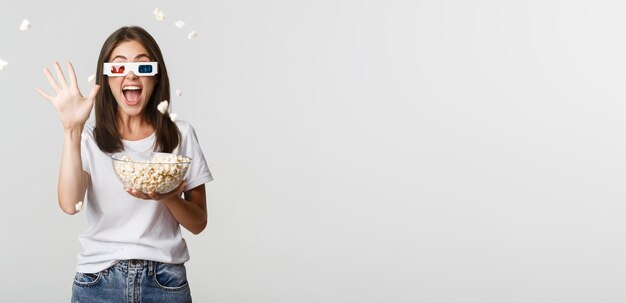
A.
x: 74, y: 110
x: 190, y: 212
x: 73, y: 181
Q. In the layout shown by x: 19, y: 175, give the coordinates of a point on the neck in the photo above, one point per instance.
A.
x: 133, y: 127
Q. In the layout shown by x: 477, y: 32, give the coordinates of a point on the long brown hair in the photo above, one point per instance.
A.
x: 106, y: 133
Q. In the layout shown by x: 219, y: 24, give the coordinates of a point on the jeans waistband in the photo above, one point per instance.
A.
x: 135, y: 264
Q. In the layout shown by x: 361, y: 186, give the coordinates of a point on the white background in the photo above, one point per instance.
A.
x: 363, y: 151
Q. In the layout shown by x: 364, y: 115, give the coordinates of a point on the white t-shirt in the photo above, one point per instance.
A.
x: 124, y: 227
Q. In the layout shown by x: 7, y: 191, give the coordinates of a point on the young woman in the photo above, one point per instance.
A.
x: 133, y: 250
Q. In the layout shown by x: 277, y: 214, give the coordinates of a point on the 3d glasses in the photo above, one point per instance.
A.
x: 121, y: 69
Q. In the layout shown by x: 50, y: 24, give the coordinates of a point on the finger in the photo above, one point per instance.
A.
x: 132, y: 192
x: 70, y: 70
x: 140, y: 195
x: 44, y: 94
x: 94, y: 92
x: 51, y: 80
x: 60, y: 75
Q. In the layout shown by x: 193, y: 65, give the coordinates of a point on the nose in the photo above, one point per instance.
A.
x: 131, y: 75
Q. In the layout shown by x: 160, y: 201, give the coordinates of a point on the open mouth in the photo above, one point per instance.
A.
x: 132, y: 94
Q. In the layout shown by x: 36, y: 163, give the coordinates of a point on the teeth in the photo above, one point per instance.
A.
x: 130, y: 87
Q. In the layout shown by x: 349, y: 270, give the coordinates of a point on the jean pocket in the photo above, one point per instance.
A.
x: 86, y: 279
x: 172, y: 277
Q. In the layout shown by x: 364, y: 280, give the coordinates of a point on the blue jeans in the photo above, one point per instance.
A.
x: 131, y: 281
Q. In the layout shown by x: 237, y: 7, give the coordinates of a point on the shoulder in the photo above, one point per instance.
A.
x: 89, y: 128
x: 184, y: 127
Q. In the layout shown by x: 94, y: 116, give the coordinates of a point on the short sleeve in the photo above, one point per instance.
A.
x: 85, y: 148
x: 199, y: 172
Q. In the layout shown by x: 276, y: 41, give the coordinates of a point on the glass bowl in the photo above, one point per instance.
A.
x: 150, y: 171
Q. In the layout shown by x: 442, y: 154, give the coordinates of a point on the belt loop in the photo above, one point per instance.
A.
x: 150, y: 268
x: 124, y: 265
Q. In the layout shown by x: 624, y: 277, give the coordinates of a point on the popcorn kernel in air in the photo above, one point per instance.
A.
x: 79, y: 206
x: 3, y: 64
x: 25, y: 25
x: 158, y: 14
x: 173, y: 117
x: 162, y: 107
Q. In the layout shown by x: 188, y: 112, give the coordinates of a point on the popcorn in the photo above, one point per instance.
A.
x: 25, y: 25
x: 161, y: 174
x: 79, y: 206
x: 91, y: 79
x: 162, y: 107
x: 158, y: 14
x: 173, y: 117
x: 192, y: 35
x: 179, y: 92
x: 179, y: 24
x: 3, y: 64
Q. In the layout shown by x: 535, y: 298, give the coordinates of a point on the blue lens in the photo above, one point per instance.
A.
x: 145, y: 69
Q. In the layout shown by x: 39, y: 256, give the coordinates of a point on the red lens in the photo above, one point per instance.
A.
x: 117, y: 69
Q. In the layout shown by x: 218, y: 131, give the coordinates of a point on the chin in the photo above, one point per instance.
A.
x: 131, y: 110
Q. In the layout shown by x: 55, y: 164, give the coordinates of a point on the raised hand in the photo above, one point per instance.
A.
x: 73, y: 108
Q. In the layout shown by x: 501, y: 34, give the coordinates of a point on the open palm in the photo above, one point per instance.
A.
x: 73, y: 108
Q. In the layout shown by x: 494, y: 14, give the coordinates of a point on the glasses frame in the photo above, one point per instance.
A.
x: 138, y: 68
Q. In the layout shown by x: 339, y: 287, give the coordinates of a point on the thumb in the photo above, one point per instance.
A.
x: 93, y: 93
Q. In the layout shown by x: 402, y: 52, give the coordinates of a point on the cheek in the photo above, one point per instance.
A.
x: 114, y: 85
x: 148, y: 86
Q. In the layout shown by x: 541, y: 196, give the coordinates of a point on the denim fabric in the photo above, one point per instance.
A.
x: 132, y: 281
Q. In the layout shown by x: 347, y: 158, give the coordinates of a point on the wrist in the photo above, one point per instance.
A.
x: 72, y: 137
x: 173, y: 199
x: 73, y: 129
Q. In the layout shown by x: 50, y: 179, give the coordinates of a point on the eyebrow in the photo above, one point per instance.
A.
x: 136, y: 57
